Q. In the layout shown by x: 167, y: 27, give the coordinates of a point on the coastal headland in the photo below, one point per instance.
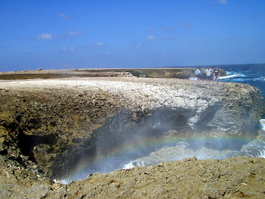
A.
x: 181, y: 73
x: 51, y: 122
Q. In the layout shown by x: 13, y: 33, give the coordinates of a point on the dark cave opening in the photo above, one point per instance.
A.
x: 28, y: 142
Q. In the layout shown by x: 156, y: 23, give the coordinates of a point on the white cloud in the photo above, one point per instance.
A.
x: 213, y: 2
x: 167, y: 37
x: 47, y: 36
x: 95, y: 45
x: 73, y: 33
x: 150, y: 37
x: 168, y: 28
x: 222, y: 1
x: 185, y: 25
x: 100, y: 43
x: 44, y: 36
x: 63, y: 48
x: 149, y: 29
x: 141, y: 45
x: 63, y: 16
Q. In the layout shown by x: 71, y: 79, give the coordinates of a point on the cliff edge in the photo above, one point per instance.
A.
x: 48, y: 126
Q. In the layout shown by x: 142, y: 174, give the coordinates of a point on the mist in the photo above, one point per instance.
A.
x: 137, y: 139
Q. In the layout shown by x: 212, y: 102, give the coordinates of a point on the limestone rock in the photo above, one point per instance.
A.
x: 48, y: 125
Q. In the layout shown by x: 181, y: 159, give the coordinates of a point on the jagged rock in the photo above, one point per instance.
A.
x: 53, y: 122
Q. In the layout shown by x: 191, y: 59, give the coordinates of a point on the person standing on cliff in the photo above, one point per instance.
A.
x: 198, y: 73
x: 208, y: 73
x: 216, y: 74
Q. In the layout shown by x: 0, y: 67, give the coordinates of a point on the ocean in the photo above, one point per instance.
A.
x: 253, y: 74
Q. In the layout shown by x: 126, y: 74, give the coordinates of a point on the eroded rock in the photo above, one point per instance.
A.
x: 46, y: 126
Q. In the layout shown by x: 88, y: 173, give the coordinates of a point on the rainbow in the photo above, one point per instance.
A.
x: 82, y: 169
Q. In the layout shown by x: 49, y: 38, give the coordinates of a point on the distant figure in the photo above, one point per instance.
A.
x: 198, y: 73
x: 208, y: 73
x: 216, y: 74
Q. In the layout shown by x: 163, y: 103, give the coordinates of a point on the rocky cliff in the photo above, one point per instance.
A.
x: 49, y: 126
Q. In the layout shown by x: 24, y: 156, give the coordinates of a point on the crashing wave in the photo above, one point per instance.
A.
x: 64, y: 181
x: 133, y: 164
x: 262, y: 124
x: 261, y: 154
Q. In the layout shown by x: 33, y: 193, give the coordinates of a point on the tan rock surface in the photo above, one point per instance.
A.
x: 45, y: 120
x: 238, y: 177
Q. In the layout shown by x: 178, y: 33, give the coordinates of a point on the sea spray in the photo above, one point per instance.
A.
x: 261, y: 154
x: 207, y: 147
x: 262, y: 124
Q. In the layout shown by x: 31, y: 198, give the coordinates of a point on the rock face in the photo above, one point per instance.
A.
x: 47, y: 126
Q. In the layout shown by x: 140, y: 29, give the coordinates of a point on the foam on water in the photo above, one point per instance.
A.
x: 253, y: 74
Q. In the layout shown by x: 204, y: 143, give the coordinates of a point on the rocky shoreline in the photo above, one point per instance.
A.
x: 181, y: 73
x: 47, y: 124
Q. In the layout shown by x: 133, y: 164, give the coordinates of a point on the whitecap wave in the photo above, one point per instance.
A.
x: 228, y: 76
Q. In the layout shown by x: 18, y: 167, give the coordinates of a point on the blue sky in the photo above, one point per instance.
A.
x: 71, y: 34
